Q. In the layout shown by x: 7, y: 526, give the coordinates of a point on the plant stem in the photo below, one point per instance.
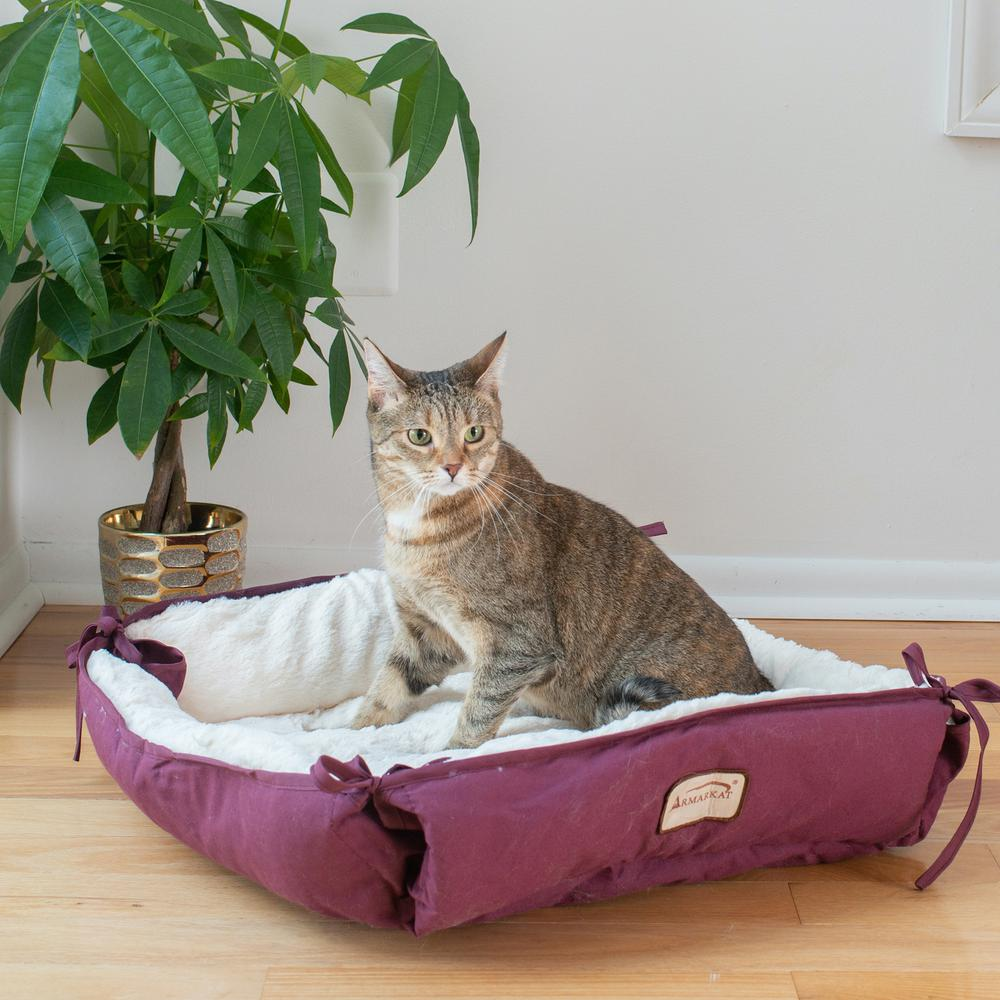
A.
x: 168, y: 444
x: 281, y: 29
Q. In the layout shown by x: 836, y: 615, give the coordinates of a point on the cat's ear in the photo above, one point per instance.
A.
x: 485, y: 369
x: 386, y: 379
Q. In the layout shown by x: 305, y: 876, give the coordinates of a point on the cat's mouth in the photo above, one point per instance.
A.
x: 450, y: 488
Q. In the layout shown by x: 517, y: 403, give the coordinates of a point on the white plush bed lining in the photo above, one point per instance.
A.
x: 258, y: 666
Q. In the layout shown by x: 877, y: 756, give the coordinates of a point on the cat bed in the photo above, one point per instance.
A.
x: 225, y: 719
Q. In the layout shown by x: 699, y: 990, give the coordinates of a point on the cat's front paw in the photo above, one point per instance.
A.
x: 373, y: 715
x: 466, y: 741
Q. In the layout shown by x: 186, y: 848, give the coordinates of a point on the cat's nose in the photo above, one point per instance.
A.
x: 453, y: 469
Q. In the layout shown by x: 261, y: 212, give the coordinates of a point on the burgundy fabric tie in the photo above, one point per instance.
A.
x: 966, y: 694
x: 165, y: 663
x: 654, y: 529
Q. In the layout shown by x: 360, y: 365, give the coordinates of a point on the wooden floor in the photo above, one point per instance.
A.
x: 95, y: 901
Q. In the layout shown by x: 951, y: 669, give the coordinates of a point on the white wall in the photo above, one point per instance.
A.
x: 19, y: 598
x: 751, y: 289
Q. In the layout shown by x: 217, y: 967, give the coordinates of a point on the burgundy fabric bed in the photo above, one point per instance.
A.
x: 793, y: 781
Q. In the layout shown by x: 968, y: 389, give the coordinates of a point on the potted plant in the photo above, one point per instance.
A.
x: 191, y: 297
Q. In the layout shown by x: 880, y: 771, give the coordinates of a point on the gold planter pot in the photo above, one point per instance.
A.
x: 141, y: 567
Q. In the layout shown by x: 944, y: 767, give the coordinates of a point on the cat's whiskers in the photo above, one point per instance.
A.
x: 482, y: 515
x: 504, y: 515
x: 493, y: 518
x: 517, y: 481
x: 522, y: 503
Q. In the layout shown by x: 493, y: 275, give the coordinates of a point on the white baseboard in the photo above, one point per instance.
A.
x: 19, y: 598
x: 747, y: 586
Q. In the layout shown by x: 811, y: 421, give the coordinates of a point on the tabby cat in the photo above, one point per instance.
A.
x: 545, y: 595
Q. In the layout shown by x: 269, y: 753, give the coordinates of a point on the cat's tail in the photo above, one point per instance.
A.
x: 626, y: 696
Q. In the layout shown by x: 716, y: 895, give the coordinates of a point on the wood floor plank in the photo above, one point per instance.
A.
x: 975, y: 864
x: 37, y: 818
x: 896, y: 986
x: 714, y: 903
x: 67, y: 930
x: 131, y: 982
x: 944, y: 904
x: 987, y: 826
x: 487, y: 983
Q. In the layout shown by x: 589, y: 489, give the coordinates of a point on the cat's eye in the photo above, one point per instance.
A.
x: 419, y: 435
x: 474, y: 433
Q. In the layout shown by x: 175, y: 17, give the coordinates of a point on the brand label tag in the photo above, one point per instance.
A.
x: 716, y: 795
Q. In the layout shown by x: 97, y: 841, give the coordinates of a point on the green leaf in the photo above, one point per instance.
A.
x: 176, y: 19
x: 195, y: 406
x: 298, y: 168
x: 66, y: 316
x: 65, y: 239
x: 36, y: 103
x: 184, y: 378
x: 309, y: 70
x: 187, y: 303
x: 155, y: 88
x: 359, y: 357
x: 15, y: 39
x: 259, y: 131
x: 253, y: 400
x: 114, y: 333
x: 210, y: 351
x: 330, y: 313
x: 8, y: 265
x: 386, y: 24
x: 401, y: 60
x: 182, y: 262
x: 325, y: 152
x: 434, y: 111
x: 347, y: 76
x: 402, y: 122
x: 138, y: 285
x: 145, y: 392
x: 331, y: 206
x: 180, y: 217
x: 229, y: 20
x: 61, y: 352
x: 222, y: 129
x: 280, y: 394
x: 241, y: 232
x: 310, y: 283
x: 470, y: 150
x: 290, y: 45
x: 26, y: 270
x: 243, y: 74
x: 260, y: 215
x: 79, y: 179
x: 125, y: 132
x: 102, y: 414
x: 340, y: 379
x: 316, y: 349
x: 48, y: 371
x: 263, y: 183
x: 218, y: 419
x: 223, y: 273
x: 275, y: 332
x: 299, y: 377
x: 18, y: 343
